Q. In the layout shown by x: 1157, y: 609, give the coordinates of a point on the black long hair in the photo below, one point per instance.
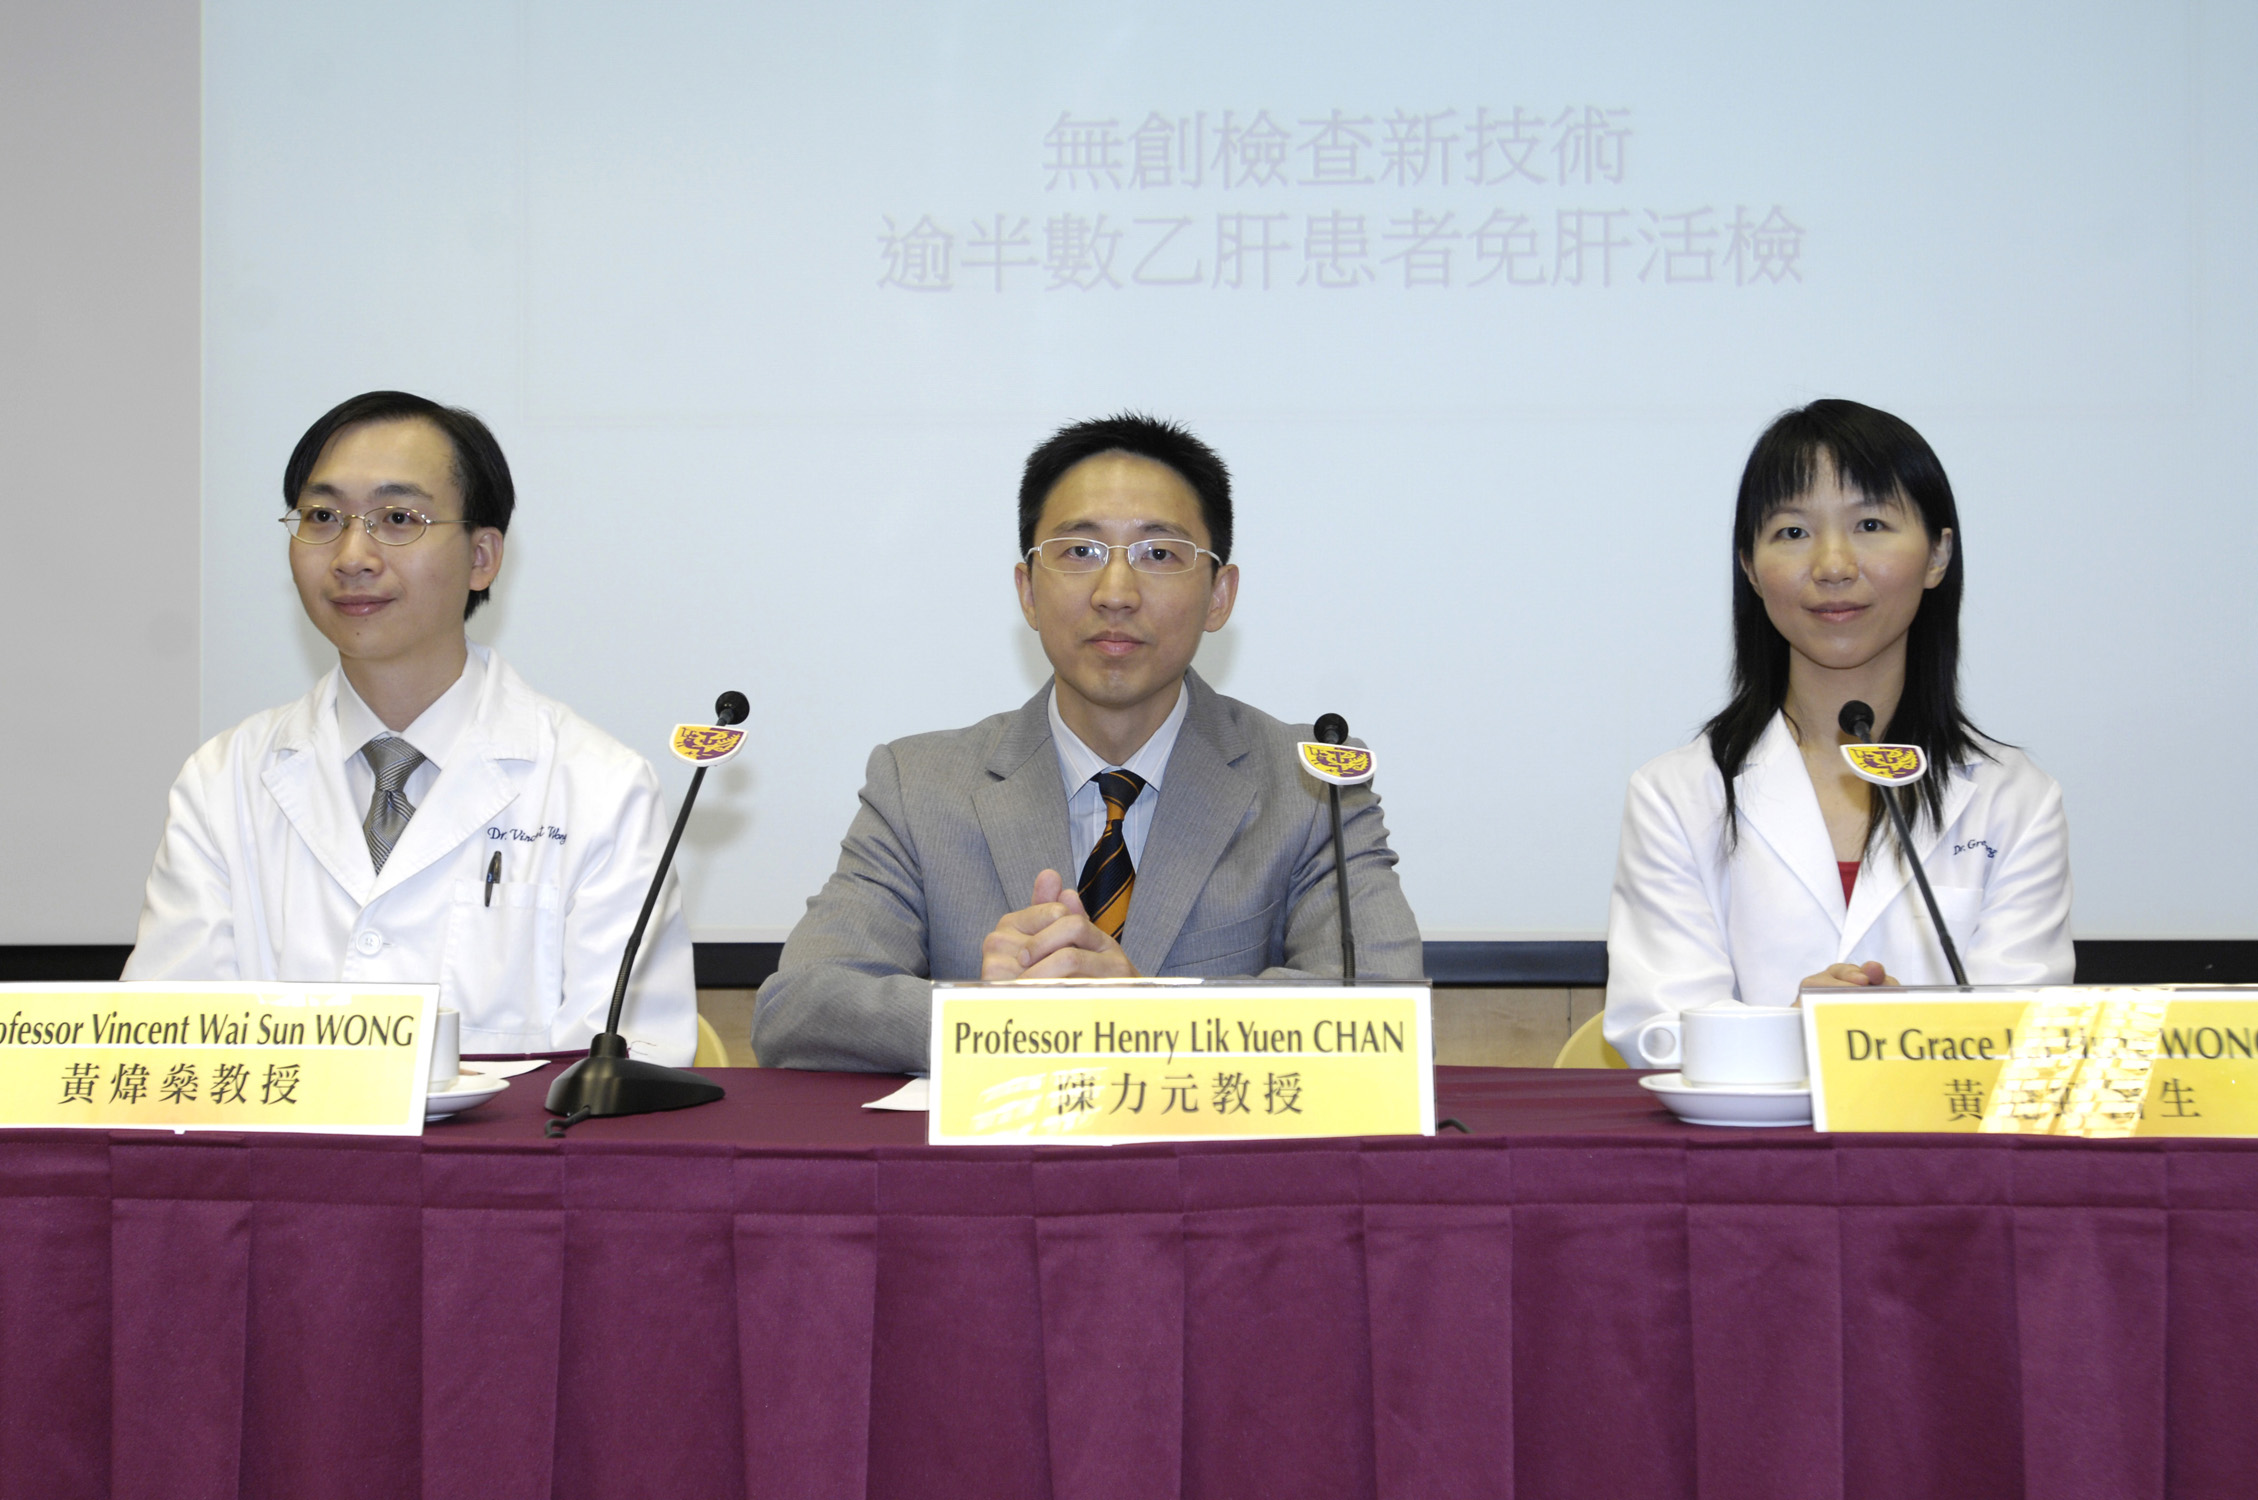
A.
x: 1881, y: 457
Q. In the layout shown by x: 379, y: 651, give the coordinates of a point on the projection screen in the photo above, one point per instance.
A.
x: 1482, y: 303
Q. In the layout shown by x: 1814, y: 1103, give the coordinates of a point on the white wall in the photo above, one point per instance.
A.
x: 99, y: 572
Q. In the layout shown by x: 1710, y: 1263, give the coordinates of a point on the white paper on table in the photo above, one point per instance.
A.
x: 910, y: 1095
x: 505, y: 1069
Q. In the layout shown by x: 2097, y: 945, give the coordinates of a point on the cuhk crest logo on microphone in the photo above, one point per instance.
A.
x: 1342, y: 765
x: 1886, y: 765
x: 706, y: 744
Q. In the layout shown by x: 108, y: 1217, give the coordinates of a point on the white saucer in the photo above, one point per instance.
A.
x: 1749, y: 1105
x: 467, y: 1089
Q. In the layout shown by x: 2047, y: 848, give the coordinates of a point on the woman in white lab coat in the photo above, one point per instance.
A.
x: 1753, y: 862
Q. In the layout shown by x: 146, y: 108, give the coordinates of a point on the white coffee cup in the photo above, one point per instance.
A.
x: 446, y: 1050
x: 1728, y: 1046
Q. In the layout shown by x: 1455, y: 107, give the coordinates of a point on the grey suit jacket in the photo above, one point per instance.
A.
x: 1237, y: 878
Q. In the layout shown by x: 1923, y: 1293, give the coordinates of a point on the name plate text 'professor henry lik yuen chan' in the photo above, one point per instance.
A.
x: 1111, y: 1062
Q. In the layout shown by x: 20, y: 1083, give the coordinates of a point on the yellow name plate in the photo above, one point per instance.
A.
x: 216, y: 1056
x: 2073, y: 1060
x: 1111, y: 1062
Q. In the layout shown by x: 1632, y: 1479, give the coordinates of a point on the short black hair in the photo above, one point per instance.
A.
x: 489, y: 494
x: 1140, y: 436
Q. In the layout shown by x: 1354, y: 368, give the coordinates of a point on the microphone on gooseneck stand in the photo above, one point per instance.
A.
x: 1337, y: 763
x: 1891, y: 767
x: 607, y: 1081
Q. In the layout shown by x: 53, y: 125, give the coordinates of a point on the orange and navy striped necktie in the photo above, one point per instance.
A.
x: 1107, y: 876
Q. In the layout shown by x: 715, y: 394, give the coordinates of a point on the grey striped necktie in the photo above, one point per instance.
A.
x: 394, y: 760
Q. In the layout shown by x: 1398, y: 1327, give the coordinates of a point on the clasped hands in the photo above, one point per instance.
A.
x: 1052, y: 939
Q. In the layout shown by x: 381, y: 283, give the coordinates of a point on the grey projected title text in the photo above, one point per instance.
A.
x: 1321, y: 203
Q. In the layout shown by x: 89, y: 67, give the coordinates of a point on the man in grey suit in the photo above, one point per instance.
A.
x: 1203, y: 848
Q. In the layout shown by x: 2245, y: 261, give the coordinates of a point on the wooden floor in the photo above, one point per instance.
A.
x: 1473, y: 1028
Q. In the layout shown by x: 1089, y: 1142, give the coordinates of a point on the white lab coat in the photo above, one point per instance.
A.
x: 264, y: 874
x: 1690, y: 924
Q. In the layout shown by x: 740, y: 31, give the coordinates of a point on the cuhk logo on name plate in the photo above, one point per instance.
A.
x: 706, y: 744
x: 1342, y: 765
x: 1886, y: 765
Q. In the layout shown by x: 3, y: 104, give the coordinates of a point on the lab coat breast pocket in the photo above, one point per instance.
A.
x: 1962, y: 906
x: 492, y: 950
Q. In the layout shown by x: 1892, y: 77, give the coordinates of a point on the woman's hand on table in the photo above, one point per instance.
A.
x: 1845, y: 977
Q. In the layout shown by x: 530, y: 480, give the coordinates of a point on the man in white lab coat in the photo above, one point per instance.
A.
x: 422, y: 815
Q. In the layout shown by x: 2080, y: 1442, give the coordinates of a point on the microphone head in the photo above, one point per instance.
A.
x: 1856, y: 719
x: 1331, y: 729
x: 731, y: 708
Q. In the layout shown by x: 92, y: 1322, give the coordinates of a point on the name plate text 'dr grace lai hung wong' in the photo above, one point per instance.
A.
x: 1110, y: 1062
x: 2071, y: 1060
x: 226, y: 1055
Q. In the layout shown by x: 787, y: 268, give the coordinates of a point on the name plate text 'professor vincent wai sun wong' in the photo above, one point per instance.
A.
x: 1115, y: 1061
x: 2069, y: 1060
x: 328, y: 1058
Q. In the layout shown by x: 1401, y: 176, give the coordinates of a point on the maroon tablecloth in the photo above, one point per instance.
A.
x: 783, y: 1294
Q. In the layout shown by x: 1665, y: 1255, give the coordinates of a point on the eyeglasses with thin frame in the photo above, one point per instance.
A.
x: 1162, y: 555
x: 391, y: 525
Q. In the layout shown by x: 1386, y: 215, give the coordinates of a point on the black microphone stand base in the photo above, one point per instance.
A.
x: 609, y: 1082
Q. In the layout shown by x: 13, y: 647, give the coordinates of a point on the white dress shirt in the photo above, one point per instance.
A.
x: 435, y: 733
x: 1085, y: 804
